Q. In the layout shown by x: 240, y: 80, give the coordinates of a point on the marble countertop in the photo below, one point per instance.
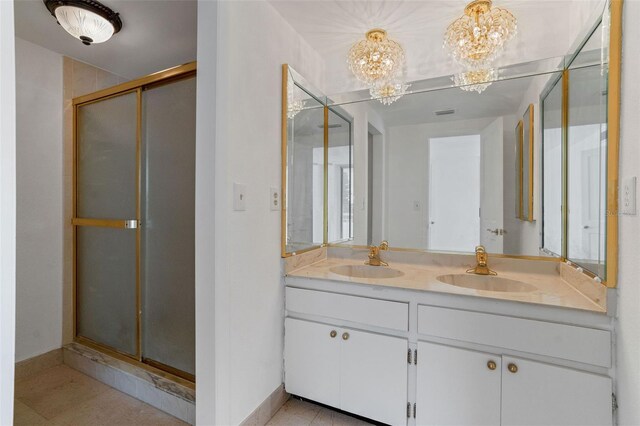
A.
x: 551, y: 289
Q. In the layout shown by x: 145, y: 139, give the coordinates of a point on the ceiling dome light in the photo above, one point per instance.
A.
x: 87, y: 20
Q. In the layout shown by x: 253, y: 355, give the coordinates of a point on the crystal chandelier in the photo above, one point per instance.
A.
x: 389, y: 91
x: 477, y: 37
x: 294, y: 105
x: 376, y: 58
x: 475, y: 80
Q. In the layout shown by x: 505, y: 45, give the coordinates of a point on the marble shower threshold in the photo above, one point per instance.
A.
x: 147, y: 386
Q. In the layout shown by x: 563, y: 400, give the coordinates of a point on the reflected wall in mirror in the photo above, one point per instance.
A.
x: 303, y: 155
x: 587, y: 155
x: 552, y: 116
x: 435, y: 170
x: 339, y: 176
x: 526, y: 192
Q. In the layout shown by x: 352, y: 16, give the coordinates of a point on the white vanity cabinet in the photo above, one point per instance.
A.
x: 458, y: 386
x: 467, y: 366
x: 359, y: 372
x: 536, y: 393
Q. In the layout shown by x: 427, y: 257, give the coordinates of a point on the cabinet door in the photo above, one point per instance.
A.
x: 457, y: 386
x: 542, y: 394
x: 312, y: 361
x: 374, y: 376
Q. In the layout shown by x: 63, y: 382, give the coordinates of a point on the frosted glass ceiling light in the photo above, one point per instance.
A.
x: 87, y: 20
x: 476, y: 38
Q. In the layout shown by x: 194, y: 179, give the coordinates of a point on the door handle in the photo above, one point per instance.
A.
x: 107, y: 223
x: 497, y: 231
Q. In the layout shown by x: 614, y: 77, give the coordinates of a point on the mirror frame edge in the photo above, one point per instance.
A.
x: 283, y: 173
x: 613, y: 141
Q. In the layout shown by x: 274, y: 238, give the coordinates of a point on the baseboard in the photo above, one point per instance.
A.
x: 267, y: 409
x: 38, y: 363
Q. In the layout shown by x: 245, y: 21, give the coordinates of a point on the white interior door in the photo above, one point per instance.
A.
x: 374, y: 376
x: 542, y: 394
x: 457, y: 386
x: 491, y: 188
x: 312, y: 361
x: 454, y: 187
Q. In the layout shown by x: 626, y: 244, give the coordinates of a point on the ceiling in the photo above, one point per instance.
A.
x: 546, y: 28
x: 155, y: 35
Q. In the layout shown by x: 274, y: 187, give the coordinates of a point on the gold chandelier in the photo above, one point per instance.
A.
x: 475, y: 80
x: 388, y: 92
x: 376, y: 58
x: 378, y: 62
x: 477, y: 37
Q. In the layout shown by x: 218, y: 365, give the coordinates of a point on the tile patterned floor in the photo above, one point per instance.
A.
x: 302, y: 413
x: 63, y: 396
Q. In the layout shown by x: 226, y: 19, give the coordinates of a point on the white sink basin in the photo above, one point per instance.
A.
x: 487, y: 283
x: 366, y: 271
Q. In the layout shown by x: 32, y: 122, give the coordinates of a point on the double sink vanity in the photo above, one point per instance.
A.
x: 423, y: 342
x: 426, y: 332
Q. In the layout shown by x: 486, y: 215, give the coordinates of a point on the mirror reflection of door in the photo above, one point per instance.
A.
x: 587, y: 160
x: 454, y: 168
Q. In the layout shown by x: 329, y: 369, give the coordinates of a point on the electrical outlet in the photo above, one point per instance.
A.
x: 239, y: 197
x: 274, y: 199
x: 628, y: 194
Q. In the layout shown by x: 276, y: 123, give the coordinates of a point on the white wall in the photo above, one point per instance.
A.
x: 39, y: 201
x: 253, y: 42
x: 7, y: 211
x: 206, y: 243
x: 628, y: 337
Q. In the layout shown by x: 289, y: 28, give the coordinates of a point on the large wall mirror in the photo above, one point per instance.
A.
x: 442, y: 167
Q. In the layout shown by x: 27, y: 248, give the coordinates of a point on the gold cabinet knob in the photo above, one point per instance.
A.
x: 491, y: 365
x: 333, y: 333
x: 512, y: 367
x: 345, y: 336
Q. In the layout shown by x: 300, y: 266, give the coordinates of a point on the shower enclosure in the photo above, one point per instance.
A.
x: 134, y: 207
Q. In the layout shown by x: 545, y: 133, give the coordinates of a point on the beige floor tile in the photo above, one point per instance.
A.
x: 25, y: 416
x: 113, y: 408
x: 57, y: 390
x: 299, y: 413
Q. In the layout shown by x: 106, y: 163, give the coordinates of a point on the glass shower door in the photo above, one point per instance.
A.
x: 168, y: 233
x: 106, y: 219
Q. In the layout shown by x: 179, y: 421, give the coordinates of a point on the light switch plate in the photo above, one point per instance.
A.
x: 628, y: 195
x: 239, y: 197
x: 274, y: 199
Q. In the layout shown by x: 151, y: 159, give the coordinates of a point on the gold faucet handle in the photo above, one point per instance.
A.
x: 384, y: 245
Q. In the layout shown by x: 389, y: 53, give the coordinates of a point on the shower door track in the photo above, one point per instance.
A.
x: 135, y: 86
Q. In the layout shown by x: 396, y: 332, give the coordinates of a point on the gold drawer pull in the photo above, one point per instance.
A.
x: 492, y: 365
x: 345, y: 336
x: 333, y: 333
x: 512, y: 368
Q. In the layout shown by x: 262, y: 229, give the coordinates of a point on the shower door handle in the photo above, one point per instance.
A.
x: 107, y: 223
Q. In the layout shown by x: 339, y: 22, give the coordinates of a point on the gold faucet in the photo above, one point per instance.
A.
x: 481, y: 266
x: 374, y: 255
